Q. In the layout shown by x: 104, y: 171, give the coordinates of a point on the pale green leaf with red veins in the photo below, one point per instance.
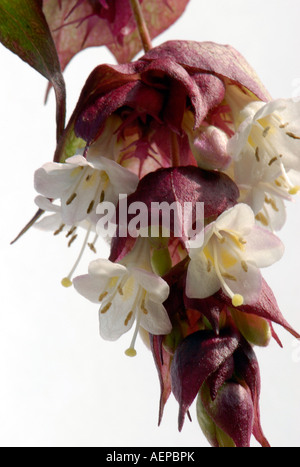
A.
x: 24, y: 31
x: 79, y: 24
x: 159, y: 16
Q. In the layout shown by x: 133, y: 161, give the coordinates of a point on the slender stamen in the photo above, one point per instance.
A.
x: 131, y: 352
x: 237, y: 299
x: 67, y: 281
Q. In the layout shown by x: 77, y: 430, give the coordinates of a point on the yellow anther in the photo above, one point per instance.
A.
x: 58, y: 231
x: 237, y: 300
x: 72, y: 240
x: 128, y: 318
x: 130, y: 352
x: 91, y: 206
x: 272, y: 161
x: 66, y: 282
x: 106, y: 308
x: 92, y: 247
x: 71, y: 199
x: 102, y: 296
x: 209, y: 265
x: 143, y: 307
x: 71, y: 231
x: 262, y: 218
x: 102, y: 196
x: 266, y: 131
x: 294, y: 190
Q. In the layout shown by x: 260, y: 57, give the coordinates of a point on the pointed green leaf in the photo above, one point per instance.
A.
x: 24, y: 31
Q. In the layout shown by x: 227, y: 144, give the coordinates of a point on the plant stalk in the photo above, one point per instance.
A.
x: 141, y: 25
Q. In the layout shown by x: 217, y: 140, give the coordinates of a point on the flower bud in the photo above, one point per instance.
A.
x: 215, y: 435
x: 256, y: 330
x: 228, y: 419
x: 208, y: 144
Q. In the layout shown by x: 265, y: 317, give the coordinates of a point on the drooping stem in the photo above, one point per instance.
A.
x: 141, y: 25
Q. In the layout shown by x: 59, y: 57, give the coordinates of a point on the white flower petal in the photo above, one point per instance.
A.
x: 120, y: 316
x: 49, y: 223
x: 263, y: 248
x: 201, y: 283
x: 240, y: 218
x: 46, y: 205
x: 156, y: 321
x: 79, y: 161
x: 90, y: 287
x: 157, y: 288
x: 103, y: 268
x: 53, y: 179
x: 123, y: 180
x: 247, y: 284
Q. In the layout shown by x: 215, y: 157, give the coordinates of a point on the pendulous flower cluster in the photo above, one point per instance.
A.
x: 186, y: 123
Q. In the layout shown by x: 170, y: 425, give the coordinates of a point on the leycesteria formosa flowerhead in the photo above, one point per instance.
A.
x: 233, y: 252
x: 127, y: 292
x: 266, y: 165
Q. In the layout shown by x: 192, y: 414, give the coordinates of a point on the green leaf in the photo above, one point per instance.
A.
x: 24, y: 31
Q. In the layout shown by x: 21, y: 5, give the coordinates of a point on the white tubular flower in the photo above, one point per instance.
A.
x: 128, y: 291
x: 266, y: 152
x: 81, y: 185
x: 234, y: 249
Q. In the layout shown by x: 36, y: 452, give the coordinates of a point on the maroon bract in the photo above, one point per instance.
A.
x: 265, y: 307
x: 196, y: 358
x: 158, y: 102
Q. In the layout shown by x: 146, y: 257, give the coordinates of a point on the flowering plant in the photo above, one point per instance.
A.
x: 189, y: 137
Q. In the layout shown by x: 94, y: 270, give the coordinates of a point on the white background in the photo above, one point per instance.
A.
x: 60, y: 384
